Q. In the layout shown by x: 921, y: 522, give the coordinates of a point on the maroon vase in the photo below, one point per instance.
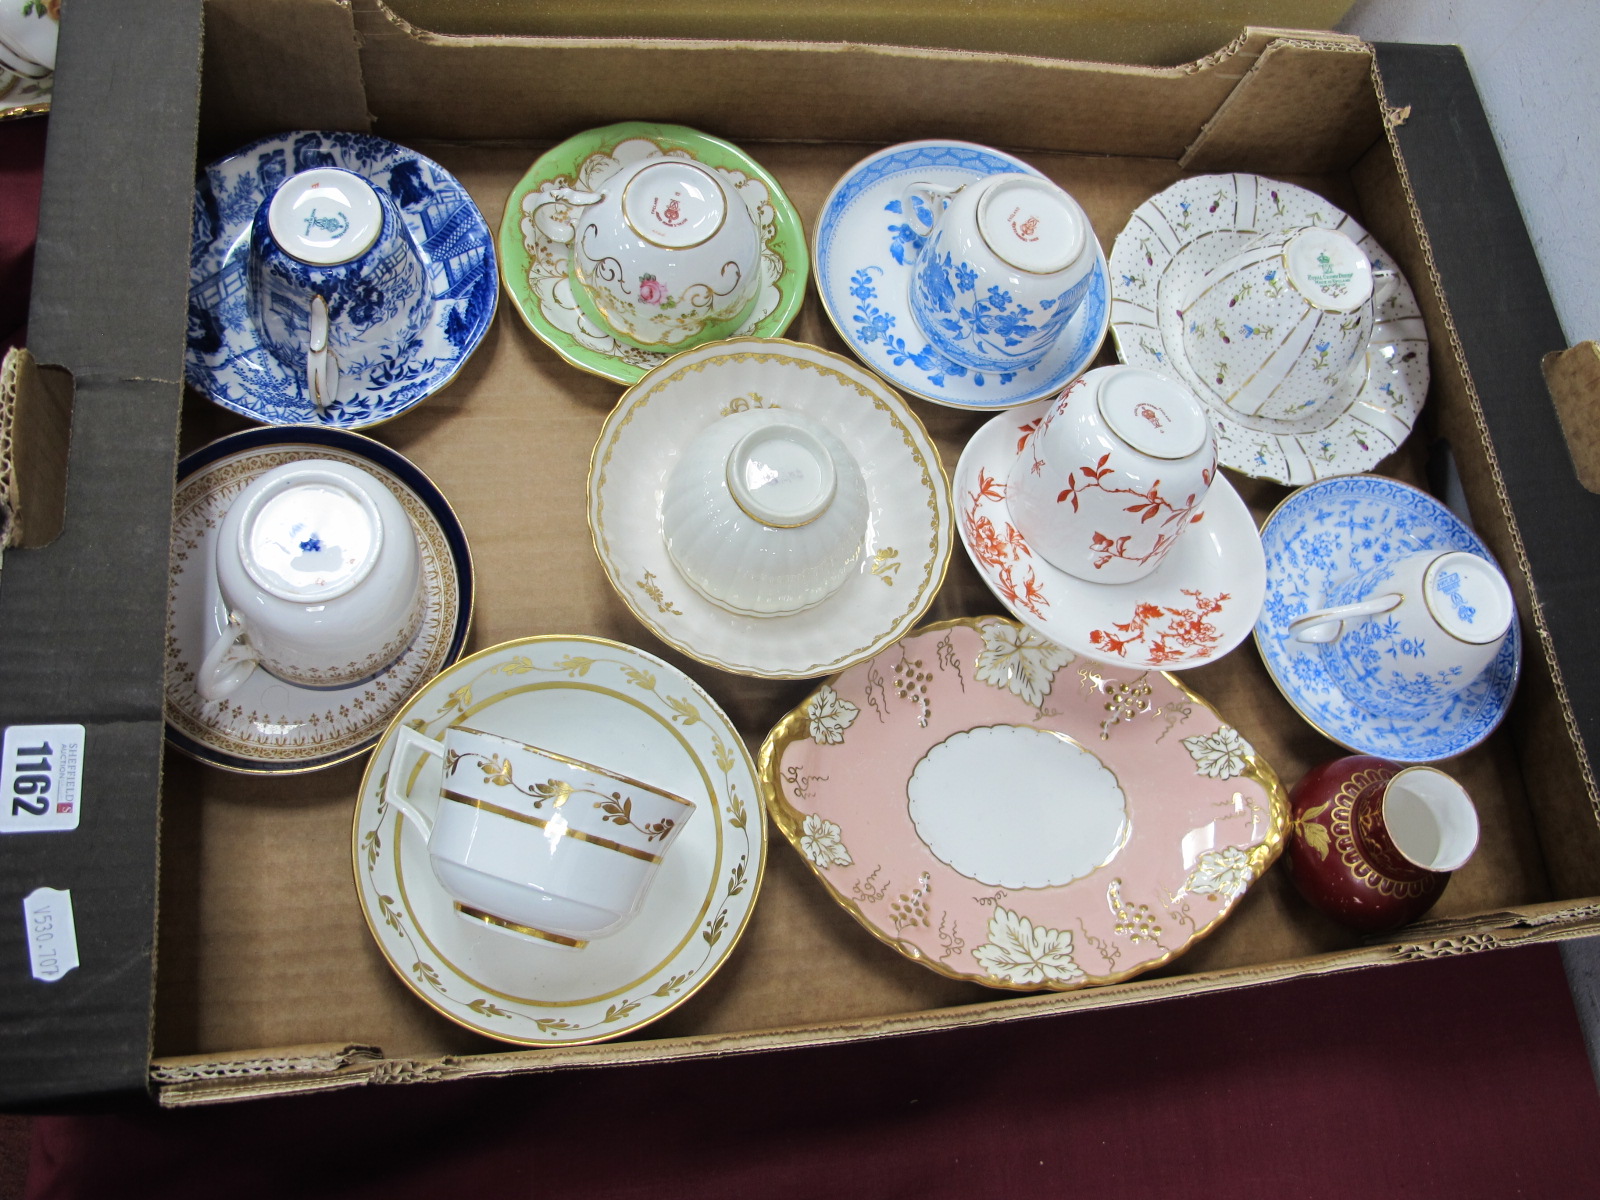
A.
x: 1372, y: 842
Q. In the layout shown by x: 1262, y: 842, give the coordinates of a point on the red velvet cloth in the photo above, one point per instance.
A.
x: 1462, y: 1077
x: 21, y: 175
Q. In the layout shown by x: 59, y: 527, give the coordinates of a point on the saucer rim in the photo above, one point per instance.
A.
x: 789, y: 729
x: 1129, y: 352
x: 788, y: 229
x: 272, y: 363
x: 38, y: 106
x: 760, y: 844
x: 1350, y: 706
x: 941, y: 487
x: 1074, y: 584
x: 264, y: 437
x: 1102, y: 267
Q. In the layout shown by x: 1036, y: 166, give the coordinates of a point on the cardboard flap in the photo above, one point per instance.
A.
x: 1573, y: 377
x: 35, y: 425
x: 1152, y: 32
x: 538, y: 88
x: 297, y: 70
x: 1300, y: 110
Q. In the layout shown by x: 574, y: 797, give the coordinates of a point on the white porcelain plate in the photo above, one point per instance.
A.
x: 864, y: 252
x: 602, y: 702
x: 1322, y: 535
x: 268, y: 726
x: 1177, y: 236
x: 1192, y: 609
x: 908, y: 499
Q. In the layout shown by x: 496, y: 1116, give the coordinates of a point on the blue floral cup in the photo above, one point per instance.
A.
x: 1404, y: 638
x: 335, y: 279
x: 1007, y: 261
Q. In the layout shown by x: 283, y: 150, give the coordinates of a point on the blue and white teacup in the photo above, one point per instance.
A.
x: 1405, y: 638
x: 335, y: 279
x: 1007, y: 261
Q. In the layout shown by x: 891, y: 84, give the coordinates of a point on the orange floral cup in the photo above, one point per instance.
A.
x: 1113, y: 474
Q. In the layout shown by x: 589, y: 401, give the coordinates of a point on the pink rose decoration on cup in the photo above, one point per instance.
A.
x: 651, y: 290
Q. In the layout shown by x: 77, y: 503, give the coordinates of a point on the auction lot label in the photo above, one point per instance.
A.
x: 41, y: 772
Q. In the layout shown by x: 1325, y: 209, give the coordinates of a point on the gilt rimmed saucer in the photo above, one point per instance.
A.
x: 1174, y: 238
x: 907, y: 545
x: 1000, y: 810
x: 603, y: 702
x: 1322, y: 535
x: 268, y: 726
x: 536, y: 275
x: 23, y: 95
x: 230, y: 363
x: 864, y: 252
x: 1197, y: 605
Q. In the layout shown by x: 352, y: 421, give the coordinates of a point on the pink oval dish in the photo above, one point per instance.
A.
x: 1000, y: 810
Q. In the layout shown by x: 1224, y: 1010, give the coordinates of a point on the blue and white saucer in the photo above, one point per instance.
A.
x: 863, y: 254
x: 268, y: 726
x: 227, y: 359
x: 1327, y: 532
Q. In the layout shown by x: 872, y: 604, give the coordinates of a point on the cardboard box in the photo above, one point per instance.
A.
x: 266, y: 978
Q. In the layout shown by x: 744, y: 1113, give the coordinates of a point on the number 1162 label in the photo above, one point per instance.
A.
x: 41, y: 772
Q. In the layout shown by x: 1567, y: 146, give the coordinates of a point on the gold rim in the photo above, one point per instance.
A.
x: 757, y: 840
x: 792, y: 728
x: 696, y: 165
x: 462, y: 570
x: 501, y: 923
x: 913, y: 430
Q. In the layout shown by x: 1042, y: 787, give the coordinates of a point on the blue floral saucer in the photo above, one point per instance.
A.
x: 1327, y: 532
x: 227, y: 359
x: 863, y: 254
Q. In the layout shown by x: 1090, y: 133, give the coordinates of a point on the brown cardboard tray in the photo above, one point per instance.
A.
x: 268, y: 980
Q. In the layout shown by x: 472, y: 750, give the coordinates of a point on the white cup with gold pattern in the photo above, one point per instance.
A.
x: 1281, y: 329
x: 532, y: 842
x: 665, y: 257
x: 319, y: 576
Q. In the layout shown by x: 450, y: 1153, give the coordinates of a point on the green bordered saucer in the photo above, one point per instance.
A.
x: 534, y: 269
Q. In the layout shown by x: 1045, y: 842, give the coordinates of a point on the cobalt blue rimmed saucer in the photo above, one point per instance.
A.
x: 1327, y: 532
x: 268, y: 726
x: 863, y: 254
x: 228, y: 359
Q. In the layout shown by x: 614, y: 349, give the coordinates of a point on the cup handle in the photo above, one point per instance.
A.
x: 922, y: 195
x: 322, y: 368
x: 560, y: 230
x: 406, y: 738
x: 1327, y: 624
x: 1385, y: 284
x: 227, y: 664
